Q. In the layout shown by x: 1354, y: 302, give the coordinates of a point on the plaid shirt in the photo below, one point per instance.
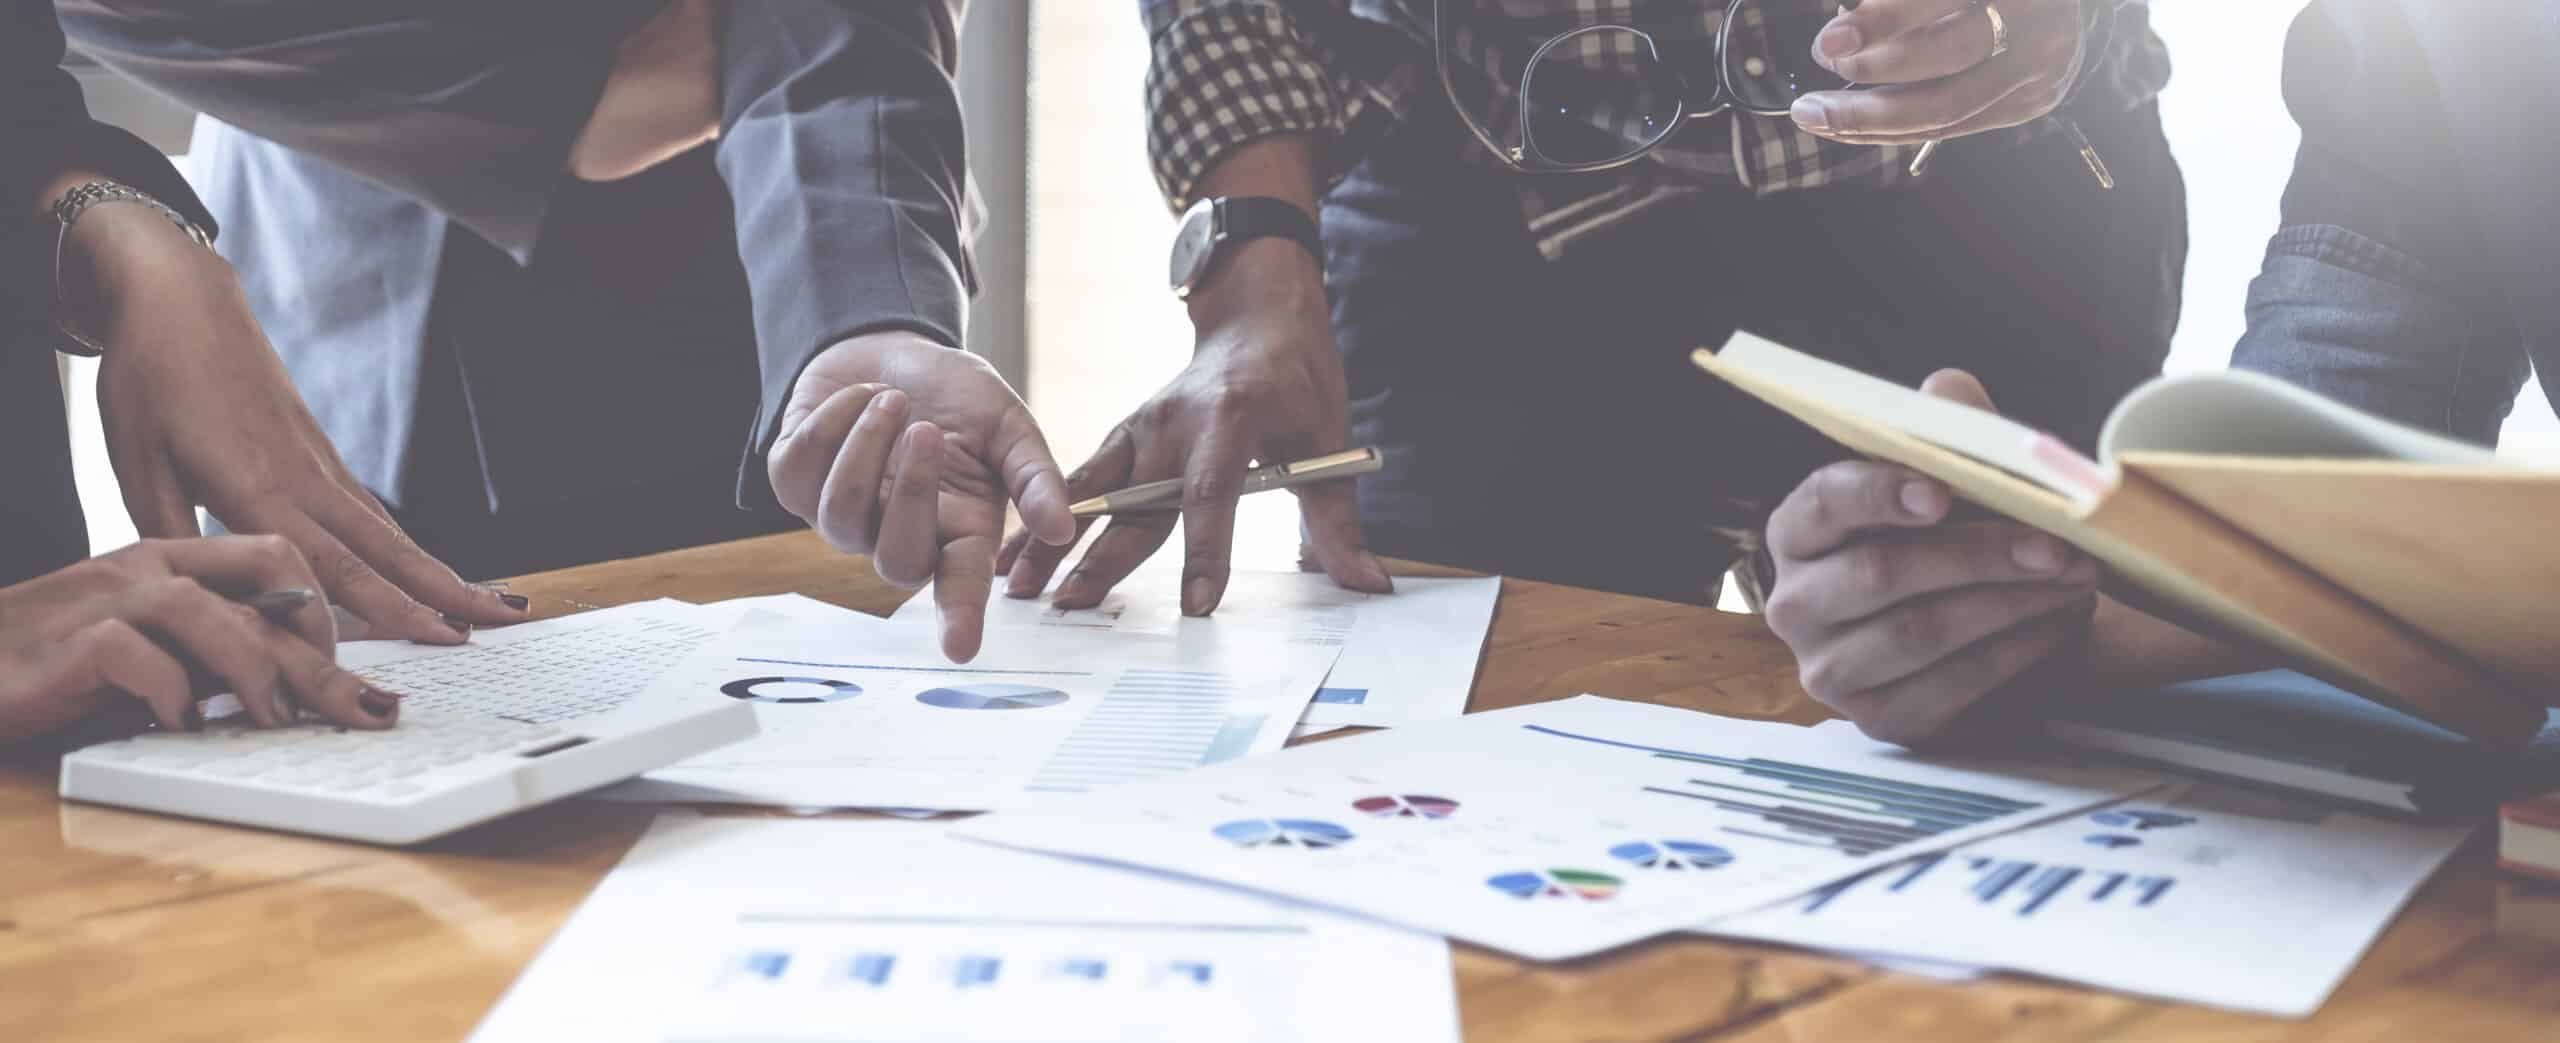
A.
x: 1226, y: 72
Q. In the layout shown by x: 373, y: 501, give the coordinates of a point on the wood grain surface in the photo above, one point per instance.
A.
x: 122, y: 926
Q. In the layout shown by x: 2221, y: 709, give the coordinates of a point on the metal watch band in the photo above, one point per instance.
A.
x: 66, y: 212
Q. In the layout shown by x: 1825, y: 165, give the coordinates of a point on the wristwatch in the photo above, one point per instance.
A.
x: 1212, y: 227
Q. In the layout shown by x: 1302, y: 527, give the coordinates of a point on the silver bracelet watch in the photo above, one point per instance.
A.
x: 67, y: 211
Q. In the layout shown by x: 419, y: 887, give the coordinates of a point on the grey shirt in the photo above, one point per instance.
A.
x: 393, y: 172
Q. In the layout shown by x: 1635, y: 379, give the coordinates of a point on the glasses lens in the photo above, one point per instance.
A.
x: 1597, y: 95
x: 1768, y: 54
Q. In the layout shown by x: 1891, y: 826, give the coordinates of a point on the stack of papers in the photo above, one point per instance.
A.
x: 2203, y: 893
x: 1406, y: 658
x: 761, y: 929
x: 857, y: 712
x: 1562, y: 828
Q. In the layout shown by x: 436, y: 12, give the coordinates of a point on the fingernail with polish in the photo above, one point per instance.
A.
x: 1811, y: 114
x: 461, y: 627
x: 379, y: 703
x: 517, y: 602
x: 2039, y: 554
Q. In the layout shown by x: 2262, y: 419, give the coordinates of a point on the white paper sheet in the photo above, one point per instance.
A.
x: 2210, y: 894
x: 859, y: 712
x: 1407, y: 657
x: 1562, y: 828
x: 736, y: 929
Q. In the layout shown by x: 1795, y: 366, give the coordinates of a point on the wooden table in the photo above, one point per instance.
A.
x: 123, y: 926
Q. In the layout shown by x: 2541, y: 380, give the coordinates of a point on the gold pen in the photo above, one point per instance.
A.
x: 1166, y: 495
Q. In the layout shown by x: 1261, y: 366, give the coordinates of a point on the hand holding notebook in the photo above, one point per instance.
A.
x: 2405, y: 567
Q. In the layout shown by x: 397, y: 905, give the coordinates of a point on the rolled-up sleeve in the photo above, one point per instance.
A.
x: 1223, y: 73
x: 469, y: 107
x: 842, y: 145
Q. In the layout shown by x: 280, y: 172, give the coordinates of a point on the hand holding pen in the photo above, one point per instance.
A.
x: 148, y: 622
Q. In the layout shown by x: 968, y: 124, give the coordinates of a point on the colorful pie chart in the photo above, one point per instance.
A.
x: 1557, y: 883
x: 991, y: 697
x: 1671, y: 854
x: 1287, y: 832
x: 1408, y: 806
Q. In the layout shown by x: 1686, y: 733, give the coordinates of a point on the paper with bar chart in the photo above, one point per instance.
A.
x: 758, y: 929
x: 2210, y: 894
x: 1562, y: 828
x: 859, y: 712
x: 1407, y: 657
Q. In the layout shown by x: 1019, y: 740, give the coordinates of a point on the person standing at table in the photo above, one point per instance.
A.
x: 1507, y: 310
x: 571, y: 282
x: 2412, y: 277
x: 103, y: 250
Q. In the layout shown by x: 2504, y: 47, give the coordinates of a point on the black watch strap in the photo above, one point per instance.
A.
x: 1255, y: 217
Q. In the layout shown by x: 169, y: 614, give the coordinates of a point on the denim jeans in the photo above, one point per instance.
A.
x: 1541, y: 418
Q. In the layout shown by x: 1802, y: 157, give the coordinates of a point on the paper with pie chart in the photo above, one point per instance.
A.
x: 2206, y: 893
x: 1407, y: 657
x: 855, y: 711
x: 1562, y: 828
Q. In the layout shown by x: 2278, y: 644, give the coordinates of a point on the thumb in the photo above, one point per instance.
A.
x: 1032, y: 477
x: 1958, y: 386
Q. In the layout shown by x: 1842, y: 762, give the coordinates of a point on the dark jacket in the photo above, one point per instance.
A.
x: 2417, y: 270
x: 392, y: 174
x: 45, y: 130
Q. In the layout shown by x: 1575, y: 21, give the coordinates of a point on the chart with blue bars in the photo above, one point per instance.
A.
x: 1800, y: 804
x: 962, y: 972
x: 1150, y: 723
x: 2005, y: 886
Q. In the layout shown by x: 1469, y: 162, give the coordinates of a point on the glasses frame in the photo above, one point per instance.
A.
x: 1525, y: 157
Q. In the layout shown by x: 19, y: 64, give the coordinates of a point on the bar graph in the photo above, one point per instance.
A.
x: 2000, y: 884
x: 869, y: 968
x: 1150, y: 723
x: 1800, y: 804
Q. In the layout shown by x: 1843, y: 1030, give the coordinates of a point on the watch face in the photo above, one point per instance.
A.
x: 1192, y: 245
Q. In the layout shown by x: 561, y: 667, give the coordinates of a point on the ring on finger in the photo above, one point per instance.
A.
x: 1999, y: 27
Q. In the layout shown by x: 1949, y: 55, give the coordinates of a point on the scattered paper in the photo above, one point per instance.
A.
x: 1407, y: 657
x: 859, y: 712
x: 2208, y: 894
x: 1562, y: 828
x: 737, y: 929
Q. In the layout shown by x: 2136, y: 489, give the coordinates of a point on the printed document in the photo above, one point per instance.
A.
x: 1407, y: 657
x: 1562, y: 828
x: 759, y: 929
x: 859, y: 712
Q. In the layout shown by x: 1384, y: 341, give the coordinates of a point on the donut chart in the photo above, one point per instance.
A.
x: 751, y: 690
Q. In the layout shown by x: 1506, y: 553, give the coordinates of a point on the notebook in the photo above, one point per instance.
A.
x: 2284, y: 729
x: 2405, y: 567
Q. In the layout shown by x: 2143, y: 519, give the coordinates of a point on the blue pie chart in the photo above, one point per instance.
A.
x: 991, y: 697
x: 752, y: 690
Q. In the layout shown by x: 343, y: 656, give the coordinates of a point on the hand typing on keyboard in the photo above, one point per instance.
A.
x: 145, y: 623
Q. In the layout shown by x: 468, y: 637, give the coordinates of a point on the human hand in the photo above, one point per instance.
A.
x: 197, y: 410
x: 144, y: 622
x: 1901, y: 619
x: 1265, y: 384
x: 904, y: 449
x: 1926, y: 71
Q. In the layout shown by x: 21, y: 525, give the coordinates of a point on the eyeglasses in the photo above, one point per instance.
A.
x: 1602, y: 96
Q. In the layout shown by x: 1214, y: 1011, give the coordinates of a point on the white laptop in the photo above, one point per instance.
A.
x: 520, y: 716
